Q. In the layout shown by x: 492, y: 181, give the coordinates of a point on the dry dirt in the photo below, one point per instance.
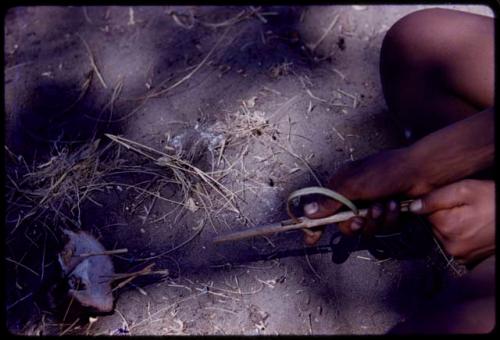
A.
x: 326, y: 107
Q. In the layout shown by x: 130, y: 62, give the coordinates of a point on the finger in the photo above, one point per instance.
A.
x: 352, y: 225
x: 391, y: 217
x: 438, y: 220
x: 312, y: 236
x: 374, y: 219
x: 318, y: 209
x: 323, y: 208
x: 443, y: 198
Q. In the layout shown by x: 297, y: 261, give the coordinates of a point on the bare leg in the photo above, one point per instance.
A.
x: 437, y: 67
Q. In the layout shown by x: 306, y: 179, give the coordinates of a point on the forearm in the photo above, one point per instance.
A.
x: 453, y: 152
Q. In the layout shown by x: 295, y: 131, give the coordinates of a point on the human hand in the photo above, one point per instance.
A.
x: 373, y: 178
x: 463, y: 216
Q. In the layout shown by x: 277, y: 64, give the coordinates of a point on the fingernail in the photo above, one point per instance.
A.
x: 311, y: 208
x: 392, y: 205
x: 407, y: 133
x: 356, y: 225
x: 376, y: 212
x: 416, y: 205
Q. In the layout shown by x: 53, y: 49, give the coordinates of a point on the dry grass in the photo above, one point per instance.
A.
x: 53, y: 192
x: 187, y: 176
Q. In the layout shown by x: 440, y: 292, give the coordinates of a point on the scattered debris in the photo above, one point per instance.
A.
x: 258, y: 317
x: 282, y: 69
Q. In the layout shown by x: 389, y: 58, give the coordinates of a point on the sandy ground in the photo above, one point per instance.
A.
x: 326, y: 107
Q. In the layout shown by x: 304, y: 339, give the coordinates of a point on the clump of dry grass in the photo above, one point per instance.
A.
x: 239, y: 127
x: 193, y: 182
x: 53, y: 192
x: 45, y: 197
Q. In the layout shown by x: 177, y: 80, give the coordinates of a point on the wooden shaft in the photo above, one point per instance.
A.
x: 107, y: 252
x: 304, y: 223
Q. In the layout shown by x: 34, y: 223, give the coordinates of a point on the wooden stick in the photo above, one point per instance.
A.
x: 107, y: 252
x: 304, y: 223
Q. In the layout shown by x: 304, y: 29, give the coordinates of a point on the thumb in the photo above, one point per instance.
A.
x: 443, y: 198
x: 323, y: 208
x: 318, y: 209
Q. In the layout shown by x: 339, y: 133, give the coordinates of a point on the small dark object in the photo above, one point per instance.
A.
x: 341, y: 43
x: 271, y: 182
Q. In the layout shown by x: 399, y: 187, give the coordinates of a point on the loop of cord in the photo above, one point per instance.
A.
x: 321, y: 191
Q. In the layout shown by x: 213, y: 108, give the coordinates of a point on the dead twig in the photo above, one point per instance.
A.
x: 107, y: 252
x: 12, y: 305
x: 197, y: 232
x: 22, y: 266
x: 190, y: 74
x: 313, y: 46
x: 93, y: 63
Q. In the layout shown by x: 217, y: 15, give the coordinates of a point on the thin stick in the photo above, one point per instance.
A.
x: 84, y: 88
x: 22, y: 265
x: 448, y: 261
x: 190, y: 74
x: 132, y: 276
x: 123, y: 318
x: 20, y: 300
x: 311, y: 267
x: 70, y: 303
x: 338, y: 133
x: 93, y: 64
x: 353, y: 97
x: 43, y: 258
x: 70, y: 327
x: 107, y: 252
x: 153, y: 272
x: 258, y: 15
x: 86, y: 15
x: 221, y: 309
x: 304, y: 223
x: 177, y: 247
x: 315, y: 97
x: 313, y: 47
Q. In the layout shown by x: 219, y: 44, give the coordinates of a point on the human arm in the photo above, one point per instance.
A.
x: 442, y: 157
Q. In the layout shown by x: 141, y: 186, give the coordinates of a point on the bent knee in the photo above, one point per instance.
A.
x: 421, y: 36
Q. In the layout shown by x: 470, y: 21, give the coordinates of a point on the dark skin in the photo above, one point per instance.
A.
x: 437, y: 71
